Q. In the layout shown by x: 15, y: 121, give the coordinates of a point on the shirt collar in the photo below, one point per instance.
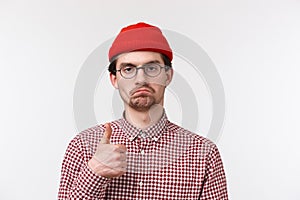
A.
x: 154, y: 131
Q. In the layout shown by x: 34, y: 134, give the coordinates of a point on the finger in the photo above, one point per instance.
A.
x: 119, y: 173
x: 123, y: 167
x: 107, y: 134
x: 121, y: 157
x: 121, y: 148
x: 120, y: 167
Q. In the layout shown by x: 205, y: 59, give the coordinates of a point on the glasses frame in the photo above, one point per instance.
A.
x: 144, y: 67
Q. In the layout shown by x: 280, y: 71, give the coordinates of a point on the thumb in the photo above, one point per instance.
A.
x: 107, y: 134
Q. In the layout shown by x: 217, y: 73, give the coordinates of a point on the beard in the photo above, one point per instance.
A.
x: 142, y: 102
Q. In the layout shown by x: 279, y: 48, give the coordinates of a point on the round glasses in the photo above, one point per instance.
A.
x: 150, y: 69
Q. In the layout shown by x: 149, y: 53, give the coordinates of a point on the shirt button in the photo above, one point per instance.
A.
x: 155, y: 139
x: 143, y: 135
x: 131, y: 138
x: 141, y: 183
x: 142, y: 152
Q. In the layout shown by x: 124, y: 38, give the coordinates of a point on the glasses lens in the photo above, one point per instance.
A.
x: 152, y: 69
x: 128, y: 71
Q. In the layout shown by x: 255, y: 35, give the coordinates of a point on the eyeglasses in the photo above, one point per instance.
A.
x: 150, y: 69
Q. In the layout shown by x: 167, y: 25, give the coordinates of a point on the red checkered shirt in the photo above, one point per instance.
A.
x: 165, y: 161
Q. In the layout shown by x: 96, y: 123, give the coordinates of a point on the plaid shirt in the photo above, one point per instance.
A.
x: 164, y: 161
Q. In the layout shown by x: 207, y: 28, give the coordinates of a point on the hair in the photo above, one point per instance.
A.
x: 112, y: 65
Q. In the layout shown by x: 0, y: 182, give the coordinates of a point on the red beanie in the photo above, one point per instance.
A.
x: 140, y: 36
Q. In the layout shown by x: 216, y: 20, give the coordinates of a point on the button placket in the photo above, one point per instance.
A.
x: 155, y: 139
x: 143, y: 135
x: 141, y: 183
x: 143, y: 144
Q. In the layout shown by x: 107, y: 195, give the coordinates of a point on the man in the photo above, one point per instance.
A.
x: 142, y: 155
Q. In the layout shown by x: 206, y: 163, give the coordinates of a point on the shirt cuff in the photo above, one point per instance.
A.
x: 92, y: 184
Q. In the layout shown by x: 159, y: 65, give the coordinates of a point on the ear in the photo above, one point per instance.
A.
x: 169, y: 75
x: 113, y: 80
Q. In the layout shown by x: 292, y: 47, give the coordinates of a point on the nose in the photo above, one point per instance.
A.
x: 141, y: 77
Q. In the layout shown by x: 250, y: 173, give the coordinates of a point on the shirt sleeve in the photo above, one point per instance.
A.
x: 78, y: 181
x: 215, y: 186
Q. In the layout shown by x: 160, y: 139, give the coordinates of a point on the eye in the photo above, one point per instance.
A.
x: 152, y: 67
x: 128, y: 69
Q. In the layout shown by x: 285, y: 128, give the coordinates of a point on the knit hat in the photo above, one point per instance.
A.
x: 142, y: 37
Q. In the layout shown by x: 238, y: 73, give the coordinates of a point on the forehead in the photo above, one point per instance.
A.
x: 139, y: 57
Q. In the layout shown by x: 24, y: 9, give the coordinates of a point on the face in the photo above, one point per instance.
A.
x: 141, y: 92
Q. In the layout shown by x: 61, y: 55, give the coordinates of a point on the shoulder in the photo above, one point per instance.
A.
x: 196, y: 141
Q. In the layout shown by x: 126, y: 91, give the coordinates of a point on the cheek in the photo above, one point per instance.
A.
x: 159, y: 81
x: 159, y: 89
x: 124, y: 86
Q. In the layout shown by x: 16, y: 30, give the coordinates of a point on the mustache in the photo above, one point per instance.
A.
x: 141, y: 87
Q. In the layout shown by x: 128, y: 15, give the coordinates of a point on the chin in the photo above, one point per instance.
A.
x: 142, y: 103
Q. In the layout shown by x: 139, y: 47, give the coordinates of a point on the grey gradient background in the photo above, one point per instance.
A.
x: 254, y: 45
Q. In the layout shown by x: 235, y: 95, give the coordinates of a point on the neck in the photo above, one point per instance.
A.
x: 144, y: 119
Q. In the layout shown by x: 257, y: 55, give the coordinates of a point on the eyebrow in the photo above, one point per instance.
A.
x: 130, y: 64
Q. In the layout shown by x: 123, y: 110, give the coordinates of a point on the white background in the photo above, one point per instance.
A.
x: 254, y: 44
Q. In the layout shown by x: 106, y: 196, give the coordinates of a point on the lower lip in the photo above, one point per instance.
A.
x: 142, y: 91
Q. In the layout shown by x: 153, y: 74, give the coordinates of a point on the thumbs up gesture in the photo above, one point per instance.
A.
x: 110, y: 159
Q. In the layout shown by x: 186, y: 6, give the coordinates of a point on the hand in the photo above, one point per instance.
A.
x: 110, y: 159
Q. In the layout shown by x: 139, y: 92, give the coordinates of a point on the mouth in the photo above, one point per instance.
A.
x: 141, y: 91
